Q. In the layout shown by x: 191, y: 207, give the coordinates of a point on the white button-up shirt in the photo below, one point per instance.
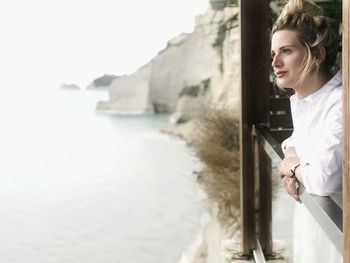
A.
x: 317, y: 137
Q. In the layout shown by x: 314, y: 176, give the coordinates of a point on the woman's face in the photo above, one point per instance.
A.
x: 288, y: 56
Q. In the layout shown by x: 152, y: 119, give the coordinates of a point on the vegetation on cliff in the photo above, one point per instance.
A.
x: 216, y: 144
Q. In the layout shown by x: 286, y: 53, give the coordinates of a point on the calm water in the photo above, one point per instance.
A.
x: 77, y: 186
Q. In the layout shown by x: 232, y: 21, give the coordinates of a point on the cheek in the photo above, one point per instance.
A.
x: 300, y: 61
x: 295, y: 64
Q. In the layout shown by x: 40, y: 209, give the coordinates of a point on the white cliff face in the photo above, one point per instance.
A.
x: 193, y: 102
x: 181, y: 65
x: 223, y: 89
x: 129, y: 95
x: 226, y: 80
x: 187, y: 61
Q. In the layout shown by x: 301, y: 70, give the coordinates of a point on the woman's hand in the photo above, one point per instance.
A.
x: 291, y: 186
x: 290, y: 161
x: 288, y: 164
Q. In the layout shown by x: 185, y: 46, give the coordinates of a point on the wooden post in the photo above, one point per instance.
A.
x: 265, y: 200
x: 346, y: 118
x: 246, y: 143
x: 254, y: 104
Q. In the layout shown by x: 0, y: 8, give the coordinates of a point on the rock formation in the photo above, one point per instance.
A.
x: 207, y: 58
x: 102, y: 82
x: 129, y: 95
x: 69, y: 86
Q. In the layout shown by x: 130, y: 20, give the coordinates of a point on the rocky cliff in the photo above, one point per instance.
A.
x: 129, y: 94
x: 195, y: 70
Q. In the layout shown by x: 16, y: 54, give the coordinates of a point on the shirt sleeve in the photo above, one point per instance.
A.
x: 322, y: 173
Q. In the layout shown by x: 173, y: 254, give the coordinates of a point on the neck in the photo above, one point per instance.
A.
x: 311, y: 84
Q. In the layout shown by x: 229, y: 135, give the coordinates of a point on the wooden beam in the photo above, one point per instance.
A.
x: 346, y: 118
x: 254, y: 104
x: 265, y: 200
x: 246, y: 143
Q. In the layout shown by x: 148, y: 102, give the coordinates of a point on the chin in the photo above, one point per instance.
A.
x: 281, y: 84
x: 284, y: 84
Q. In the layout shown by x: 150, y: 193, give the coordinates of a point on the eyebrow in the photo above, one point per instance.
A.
x: 283, y: 47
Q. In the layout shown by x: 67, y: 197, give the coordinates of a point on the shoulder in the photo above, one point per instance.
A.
x: 333, y: 108
x: 336, y: 92
x: 335, y: 97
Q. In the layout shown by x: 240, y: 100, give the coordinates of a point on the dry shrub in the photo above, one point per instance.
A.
x: 217, y: 145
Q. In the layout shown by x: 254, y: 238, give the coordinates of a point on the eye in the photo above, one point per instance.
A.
x: 286, y: 50
x: 272, y: 55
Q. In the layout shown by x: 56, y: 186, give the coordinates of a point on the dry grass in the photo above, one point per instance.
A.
x: 217, y: 145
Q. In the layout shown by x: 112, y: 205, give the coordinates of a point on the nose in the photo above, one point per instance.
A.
x: 276, y: 61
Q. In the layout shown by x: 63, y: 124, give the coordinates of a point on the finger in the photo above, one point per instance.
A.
x: 288, y: 186
x: 285, y: 182
x: 292, y: 187
x: 296, y: 190
x: 297, y: 198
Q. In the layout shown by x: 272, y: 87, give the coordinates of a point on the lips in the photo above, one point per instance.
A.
x: 280, y: 74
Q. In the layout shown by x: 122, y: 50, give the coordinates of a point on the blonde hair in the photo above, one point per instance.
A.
x: 314, y: 31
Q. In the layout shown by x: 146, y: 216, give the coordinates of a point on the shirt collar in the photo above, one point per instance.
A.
x: 333, y: 83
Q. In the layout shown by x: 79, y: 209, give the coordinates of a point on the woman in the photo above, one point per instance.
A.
x: 303, y: 50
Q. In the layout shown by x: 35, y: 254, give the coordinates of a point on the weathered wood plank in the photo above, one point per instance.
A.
x: 254, y: 104
x: 346, y: 157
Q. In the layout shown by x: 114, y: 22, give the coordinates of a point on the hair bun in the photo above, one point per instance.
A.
x: 296, y: 7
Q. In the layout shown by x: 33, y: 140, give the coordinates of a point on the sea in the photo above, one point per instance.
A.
x: 78, y: 185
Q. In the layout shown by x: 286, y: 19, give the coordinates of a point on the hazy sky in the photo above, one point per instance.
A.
x: 46, y: 42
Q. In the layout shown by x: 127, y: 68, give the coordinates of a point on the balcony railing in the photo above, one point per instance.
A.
x: 308, y: 231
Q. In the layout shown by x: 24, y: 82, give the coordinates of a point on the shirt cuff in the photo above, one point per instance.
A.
x: 303, y: 172
x: 286, y: 144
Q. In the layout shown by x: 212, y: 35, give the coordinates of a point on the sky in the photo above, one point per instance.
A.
x: 48, y: 42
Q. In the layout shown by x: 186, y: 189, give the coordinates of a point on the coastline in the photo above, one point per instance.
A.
x: 216, y: 242
x: 196, y: 252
